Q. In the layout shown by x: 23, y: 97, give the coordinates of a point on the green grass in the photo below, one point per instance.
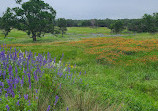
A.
x: 114, y: 86
x: 86, y: 30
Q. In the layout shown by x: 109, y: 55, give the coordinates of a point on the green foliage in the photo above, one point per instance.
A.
x: 45, y: 87
x: 86, y: 23
x: 7, y: 22
x: 35, y: 17
x: 12, y: 102
x: 135, y: 25
x: 56, y: 30
x: 61, y: 23
x: 117, y: 26
x: 118, y: 87
x: 155, y: 16
x: 149, y: 23
x: 72, y: 23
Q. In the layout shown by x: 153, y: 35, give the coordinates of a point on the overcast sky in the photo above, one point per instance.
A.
x: 96, y: 9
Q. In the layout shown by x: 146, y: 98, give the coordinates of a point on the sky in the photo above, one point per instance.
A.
x: 95, y: 9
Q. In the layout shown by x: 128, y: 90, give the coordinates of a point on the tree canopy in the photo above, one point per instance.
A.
x: 35, y: 17
x: 61, y: 23
x: 7, y: 22
x: 117, y: 26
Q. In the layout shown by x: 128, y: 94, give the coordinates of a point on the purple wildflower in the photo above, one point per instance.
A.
x: 67, y: 109
x: 22, y: 81
x: 80, y: 73
x: 6, y: 95
x: 56, y: 100
x: 80, y: 80
x: 13, y: 94
x: 7, y: 107
x: 2, y: 84
x: 29, y: 103
x: 16, y: 80
x: 35, y: 76
x: 4, y: 74
x: 36, y: 91
x: 60, y: 86
x: 16, y: 70
x: 26, y: 96
x: 54, y: 59
x: 19, y: 96
x: 68, y: 68
x: 18, y: 103
x: 48, y: 108
x: 29, y: 76
x: 0, y: 73
x: 10, y: 70
x: 10, y: 89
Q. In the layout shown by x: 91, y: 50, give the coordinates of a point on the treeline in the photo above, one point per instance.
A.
x: 37, y: 18
x: 89, y: 23
x: 148, y: 23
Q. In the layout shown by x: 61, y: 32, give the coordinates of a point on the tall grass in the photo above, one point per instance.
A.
x: 121, y: 72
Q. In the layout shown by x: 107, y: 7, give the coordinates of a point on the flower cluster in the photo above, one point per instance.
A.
x: 111, y: 48
x: 20, y: 76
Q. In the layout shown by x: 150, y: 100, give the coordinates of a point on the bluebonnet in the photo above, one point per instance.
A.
x: 48, y: 108
x: 26, y: 96
x: 7, y: 107
x: 29, y: 77
x: 29, y: 103
x: 6, y: 95
x: 56, y: 100
x: 18, y: 103
x: 25, y: 69
x: 2, y: 84
x: 80, y: 73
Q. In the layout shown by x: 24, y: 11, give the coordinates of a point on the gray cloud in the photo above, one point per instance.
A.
x: 99, y: 9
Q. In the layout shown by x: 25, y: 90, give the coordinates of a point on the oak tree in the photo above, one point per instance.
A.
x: 35, y: 17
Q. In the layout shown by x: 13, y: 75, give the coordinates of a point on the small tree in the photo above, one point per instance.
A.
x: 136, y: 25
x: 117, y: 26
x: 149, y: 23
x: 35, y: 17
x: 6, y: 22
x: 61, y: 23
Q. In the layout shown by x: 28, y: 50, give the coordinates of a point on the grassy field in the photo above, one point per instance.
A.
x: 121, y: 70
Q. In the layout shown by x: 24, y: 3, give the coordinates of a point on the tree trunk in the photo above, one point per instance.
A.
x: 62, y: 33
x: 5, y: 36
x: 34, y: 36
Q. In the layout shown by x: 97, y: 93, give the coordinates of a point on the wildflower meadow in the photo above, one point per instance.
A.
x: 79, y: 72
x: 31, y: 81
